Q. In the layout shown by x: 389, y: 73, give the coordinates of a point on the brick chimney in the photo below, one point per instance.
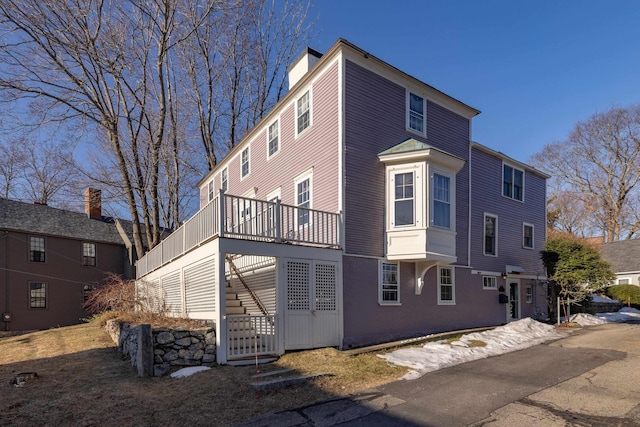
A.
x: 93, y: 203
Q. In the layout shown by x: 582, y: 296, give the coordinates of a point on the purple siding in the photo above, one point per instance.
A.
x: 315, y: 148
x: 366, y: 322
x: 375, y: 120
x: 487, y: 197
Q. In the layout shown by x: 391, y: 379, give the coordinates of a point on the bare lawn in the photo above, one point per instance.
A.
x: 82, y: 380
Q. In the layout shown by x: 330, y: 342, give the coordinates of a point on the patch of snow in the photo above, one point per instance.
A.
x: 587, y: 319
x: 601, y: 299
x: 437, y: 355
x: 185, y: 372
x: 624, y: 314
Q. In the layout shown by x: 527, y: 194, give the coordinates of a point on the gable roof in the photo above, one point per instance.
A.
x: 623, y: 255
x: 42, y: 219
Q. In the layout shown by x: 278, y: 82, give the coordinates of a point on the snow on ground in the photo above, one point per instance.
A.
x: 432, y: 356
x: 514, y: 336
x: 185, y: 372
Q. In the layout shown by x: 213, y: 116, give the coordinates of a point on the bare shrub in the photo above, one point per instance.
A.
x: 116, y: 294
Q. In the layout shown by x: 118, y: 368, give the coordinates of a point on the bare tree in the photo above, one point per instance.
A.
x: 12, y: 161
x: 595, y: 174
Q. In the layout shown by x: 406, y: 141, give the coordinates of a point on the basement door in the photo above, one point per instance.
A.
x: 311, y: 308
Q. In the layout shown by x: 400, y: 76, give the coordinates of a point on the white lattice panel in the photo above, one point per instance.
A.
x: 297, y: 285
x: 200, y: 286
x: 172, y: 292
x: 325, y: 287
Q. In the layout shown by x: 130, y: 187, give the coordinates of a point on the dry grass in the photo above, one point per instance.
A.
x: 83, y: 381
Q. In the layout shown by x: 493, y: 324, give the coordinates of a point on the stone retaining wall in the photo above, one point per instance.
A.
x: 154, y: 351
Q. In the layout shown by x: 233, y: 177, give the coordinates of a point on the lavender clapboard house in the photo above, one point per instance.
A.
x: 357, y: 211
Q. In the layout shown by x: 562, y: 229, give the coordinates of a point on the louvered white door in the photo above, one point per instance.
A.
x: 311, y: 314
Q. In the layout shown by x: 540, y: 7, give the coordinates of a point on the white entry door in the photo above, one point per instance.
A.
x: 311, y: 308
x: 513, y: 308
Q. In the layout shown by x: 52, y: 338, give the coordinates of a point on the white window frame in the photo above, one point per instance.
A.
x: 450, y: 201
x: 422, y: 132
x: 271, y: 211
x: 394, y: 175
x: 529, y: 294
x: 224, y: 179
x: 493, y: 283
x: 627, y: 280
x: 484, y: 235
x: 512, y: 182
x: 452, y: 301
x: 308, y: 175
x: 524, y: 227
x: 308, y: 110
x: 243, y: 162
x: 210, y: 191
x: 270, y: 139
x: 389, y: 286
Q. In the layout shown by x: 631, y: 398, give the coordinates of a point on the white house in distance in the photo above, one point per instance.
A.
x: 357, y: 211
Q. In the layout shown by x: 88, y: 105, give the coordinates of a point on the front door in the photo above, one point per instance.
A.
x: 311, y: 310
x: 513, y: 308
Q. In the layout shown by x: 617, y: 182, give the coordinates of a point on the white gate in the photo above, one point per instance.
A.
x: 311, y: 306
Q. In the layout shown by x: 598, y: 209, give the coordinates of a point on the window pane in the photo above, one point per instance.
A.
x: 441, y: 214
x: 507, y: 181
x: 489, y: 235
x: 416, y: 112
x: 224, y: 180
x: 303, y: 201
x: 404, y: 212
x: 303, y: 112
x: 37, y: 249
x: 37, y: 295
x: 245, y: 162
x: 441, y: 202
x: 403, y: 199
x: 389, y: 291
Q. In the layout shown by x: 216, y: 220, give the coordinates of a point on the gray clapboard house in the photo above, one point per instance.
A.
x: 624, y: 258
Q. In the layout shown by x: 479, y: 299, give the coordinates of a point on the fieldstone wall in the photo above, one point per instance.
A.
x: 169, y: 347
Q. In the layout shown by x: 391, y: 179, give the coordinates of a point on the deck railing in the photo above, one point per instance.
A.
x: 248, y: 219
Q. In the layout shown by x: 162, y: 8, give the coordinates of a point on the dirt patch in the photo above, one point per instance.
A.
x: 82, y: 380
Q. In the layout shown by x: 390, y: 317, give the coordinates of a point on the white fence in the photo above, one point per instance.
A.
x: 248, y: 336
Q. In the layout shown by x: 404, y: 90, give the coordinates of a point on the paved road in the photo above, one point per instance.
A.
x: 589, y: 378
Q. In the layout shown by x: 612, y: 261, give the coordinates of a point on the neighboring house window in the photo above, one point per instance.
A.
x: 273, y: 139
x: 490, y: 234
x: 529, y: 294
x: 389, y: 289
x: 446, y: 286
x: 223, y: 180
x: 441, y: 201
x: 244, y: 162
x: 623, y: 282
x: 210, y: 190
x: 512, y: 182
x: 86, y: 292
x: 303, y: 200
x: 404, y: 199
x: 37, y: 249
x: 303, y: 109
x: 489, y: 282
x: 527, y: 236
x: 416, y: 107
x: 89, y: 254
x: 37, y: 295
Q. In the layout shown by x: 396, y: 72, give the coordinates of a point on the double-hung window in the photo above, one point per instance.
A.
x: 389, y: 290
x: 441, y: 201
x: 244, y: 162
x: 416, y: 109
x: 303, y: 201
x: 527, y: 236
x: 37, y: 295
x: 89, y: 254
x: 529, y: 294
x: 446, y: 286
x: 224, y: 180
x: 303, y: 112
x: 37, y: 251
x: 489, y: 282
x: 404, y: 199
x: 210, y: 191
x: 273, y: 139
x: 512, y: 182
x: 490, y: 234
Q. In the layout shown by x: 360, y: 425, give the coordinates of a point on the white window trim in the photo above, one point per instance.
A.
x: 277, y: 121
x: 491, y: 288
x: 248, y: 150
x: 453, y: 286
x: 484, y: 234
x: 225, y: 172
x: 452, y: 205
x: 528, y: 293
x: 533, y: 242
x: 380, y: 284
x: 408, y: 113
x: 514, y: 167
x: 210, y: 191
x: 308, y: 174
x: 295, y: 102
x: 629, y: 279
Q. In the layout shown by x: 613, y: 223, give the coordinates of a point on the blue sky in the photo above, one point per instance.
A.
x: 534, y: 68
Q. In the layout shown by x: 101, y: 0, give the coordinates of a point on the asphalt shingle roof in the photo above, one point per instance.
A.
x: 623, y: 255
x: 41, y: 219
